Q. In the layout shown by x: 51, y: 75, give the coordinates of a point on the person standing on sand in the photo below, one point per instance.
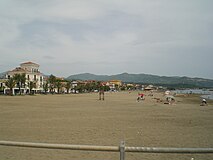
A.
x: 204, y: 102
x: 101, y: 94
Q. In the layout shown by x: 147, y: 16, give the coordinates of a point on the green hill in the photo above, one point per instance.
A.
x: 148, y: 79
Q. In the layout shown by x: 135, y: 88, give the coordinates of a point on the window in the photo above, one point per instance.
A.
x: 28, y: 77
x: 34, y: 77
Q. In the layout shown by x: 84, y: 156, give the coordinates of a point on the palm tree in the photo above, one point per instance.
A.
x: 32, y: 85
x: 10, y: 83
x: 23, y: 79
x: 58, y: 85
x: 17, y: 78
x: 52, y: 81
x: 45, y: 86
x: 20, y: 80
x: 68, y: 86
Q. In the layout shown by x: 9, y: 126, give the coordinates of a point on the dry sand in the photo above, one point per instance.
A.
x: 83, y: 119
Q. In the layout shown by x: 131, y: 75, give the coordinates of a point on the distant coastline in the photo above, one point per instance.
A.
x: 208, y: 94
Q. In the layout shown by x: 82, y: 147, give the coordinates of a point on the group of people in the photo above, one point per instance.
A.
x: 170, y: 99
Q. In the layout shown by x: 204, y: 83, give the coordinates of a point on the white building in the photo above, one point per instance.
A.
x: 32, y: 74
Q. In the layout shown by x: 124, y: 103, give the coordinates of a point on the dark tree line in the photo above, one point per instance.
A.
x: 53, y: 85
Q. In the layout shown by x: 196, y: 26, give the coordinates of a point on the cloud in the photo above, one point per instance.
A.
x: 108, y: 36
x: 49, y: 57
x: 72, y: 10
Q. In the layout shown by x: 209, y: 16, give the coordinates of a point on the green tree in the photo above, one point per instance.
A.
x: 68, y: 86
x: 10, y: 83
x: 106, y: 88
x: 90, y: 87
x: 79, y: 88
x: 58, y: 85
x: 45, y: 87
x: 32, y: 84
x: 23, y: 80
x: 17, y: 78
x: 52, y: 83
x: 20, y: 81
x: 87, y: 87
x: 2, y: 88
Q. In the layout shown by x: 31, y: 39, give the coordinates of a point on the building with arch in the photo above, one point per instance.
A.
x: 32, y: 74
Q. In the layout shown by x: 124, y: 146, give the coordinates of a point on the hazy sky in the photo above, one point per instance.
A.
x: 162, y: 37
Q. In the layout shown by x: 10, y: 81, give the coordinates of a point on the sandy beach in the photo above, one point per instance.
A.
x: 83, y: 119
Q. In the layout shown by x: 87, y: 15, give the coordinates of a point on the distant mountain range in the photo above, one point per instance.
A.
x: 176, y: 82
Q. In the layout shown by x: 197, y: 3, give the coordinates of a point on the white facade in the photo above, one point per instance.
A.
x: 32, y: 74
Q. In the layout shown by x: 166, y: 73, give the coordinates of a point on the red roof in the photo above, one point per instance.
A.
x: 29, y: 63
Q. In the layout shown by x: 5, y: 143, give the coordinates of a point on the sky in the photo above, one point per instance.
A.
x: 107, y: 37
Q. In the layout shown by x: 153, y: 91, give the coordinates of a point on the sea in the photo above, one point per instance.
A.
x: 207, y: 94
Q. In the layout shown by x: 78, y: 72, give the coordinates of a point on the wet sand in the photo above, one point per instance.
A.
x: 83, y: 119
